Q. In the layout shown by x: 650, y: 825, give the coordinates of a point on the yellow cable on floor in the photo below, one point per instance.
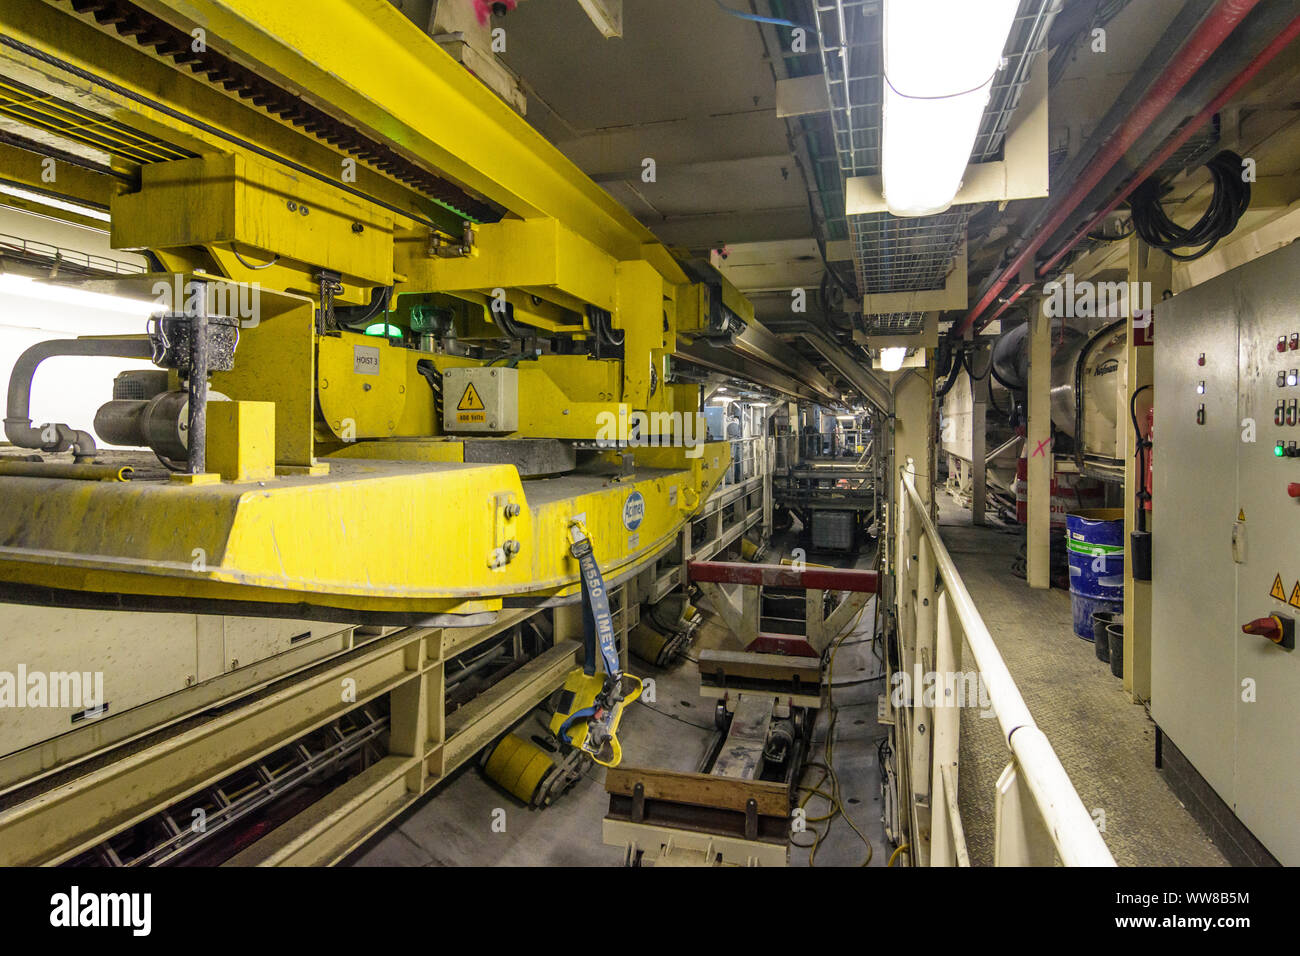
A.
x: 828, y: 768
x: 904, y: 848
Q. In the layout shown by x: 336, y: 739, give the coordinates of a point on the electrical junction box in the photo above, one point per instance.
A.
x: 480, y: 399
x: 1225, y: 529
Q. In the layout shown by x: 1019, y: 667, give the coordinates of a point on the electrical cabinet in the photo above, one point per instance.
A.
x: 480, y: 399
x: 1226, y: 529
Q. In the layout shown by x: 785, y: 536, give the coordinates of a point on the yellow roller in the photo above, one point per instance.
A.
x: 518, y: 766
x: 647, y: 643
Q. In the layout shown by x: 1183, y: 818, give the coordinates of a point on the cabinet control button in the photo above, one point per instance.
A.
x: 1293, y: 489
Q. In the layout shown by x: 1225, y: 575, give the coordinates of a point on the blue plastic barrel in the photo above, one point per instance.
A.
x: 1094, y: 539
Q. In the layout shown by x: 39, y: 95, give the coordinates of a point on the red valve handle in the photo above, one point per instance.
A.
x: 1268, y: 627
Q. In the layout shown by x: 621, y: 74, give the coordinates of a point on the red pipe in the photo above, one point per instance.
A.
x: 783, y: 575
x: 1009, y: 302
x: 1279, y: 43
x: 1220, y: 22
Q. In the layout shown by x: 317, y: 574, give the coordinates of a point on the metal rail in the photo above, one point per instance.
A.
x: 1039, y: 816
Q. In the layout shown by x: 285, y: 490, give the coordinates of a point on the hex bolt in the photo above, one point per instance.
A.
x: 358, y: 228
x: 293, y: 206
x: 512, y: 547
x: 512, y: 510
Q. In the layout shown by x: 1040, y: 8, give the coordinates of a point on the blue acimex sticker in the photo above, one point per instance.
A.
x: 633, y: 511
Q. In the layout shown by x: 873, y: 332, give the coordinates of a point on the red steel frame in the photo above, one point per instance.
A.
x: 785, y: 576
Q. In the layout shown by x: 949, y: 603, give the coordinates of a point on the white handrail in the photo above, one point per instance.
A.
x: 1071, y: 827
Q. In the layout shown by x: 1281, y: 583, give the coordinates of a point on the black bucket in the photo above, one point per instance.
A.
x: 1115, y: 638
x: 1100, y: 621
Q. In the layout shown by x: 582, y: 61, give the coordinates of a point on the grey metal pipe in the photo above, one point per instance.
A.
x: 860, y: 377
x: 59, y: 469
x: 18, y: 421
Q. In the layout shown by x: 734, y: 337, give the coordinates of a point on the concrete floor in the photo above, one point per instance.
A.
x: 453, y: 825
x: 1105, y: 741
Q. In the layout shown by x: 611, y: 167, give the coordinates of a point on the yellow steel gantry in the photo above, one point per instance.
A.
x: 243, y: 142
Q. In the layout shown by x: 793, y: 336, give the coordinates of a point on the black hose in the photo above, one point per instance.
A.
x: 1140, y: 445
x: 992, y: 400
x: 1230, y: 199
x: 602, y: 323
x: 505, y: 320
x: 957, y: 366
x: 380, y: 297
x: 993, y: 370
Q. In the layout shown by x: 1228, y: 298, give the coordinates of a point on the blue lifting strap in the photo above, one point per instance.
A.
x: 597, y: 621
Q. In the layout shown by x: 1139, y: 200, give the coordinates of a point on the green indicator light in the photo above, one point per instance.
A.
x: 1279, y: 451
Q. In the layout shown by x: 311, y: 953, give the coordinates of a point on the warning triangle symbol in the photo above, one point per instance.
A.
x: 1279, y: 589
x: 1295, y: 595
x: 470, y: 402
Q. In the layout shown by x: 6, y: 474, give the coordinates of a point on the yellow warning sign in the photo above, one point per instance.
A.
x: 1279, y: 589
x: 470, y: 402
x: 1295, y: 595
x: 1241, y: 515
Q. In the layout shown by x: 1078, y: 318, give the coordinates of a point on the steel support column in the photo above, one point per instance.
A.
x: 1038, y: 449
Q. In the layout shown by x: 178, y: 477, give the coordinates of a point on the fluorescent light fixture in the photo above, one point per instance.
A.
x: 31, y: 196
x: 940, y: 59
x: 891, y: 359
x: 70, y: 295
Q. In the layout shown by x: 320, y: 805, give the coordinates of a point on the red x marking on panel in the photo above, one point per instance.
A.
x: 1042, y: 447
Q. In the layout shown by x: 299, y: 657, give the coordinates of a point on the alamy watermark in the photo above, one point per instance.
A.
x: 79, y: 690
x: 1067, y: 299
x: 238, y: 300
x: 687, y: 430
x: 950, y: 689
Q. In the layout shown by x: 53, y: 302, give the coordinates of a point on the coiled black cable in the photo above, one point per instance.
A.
x: 1231, y: 198
x: 957, y: 366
